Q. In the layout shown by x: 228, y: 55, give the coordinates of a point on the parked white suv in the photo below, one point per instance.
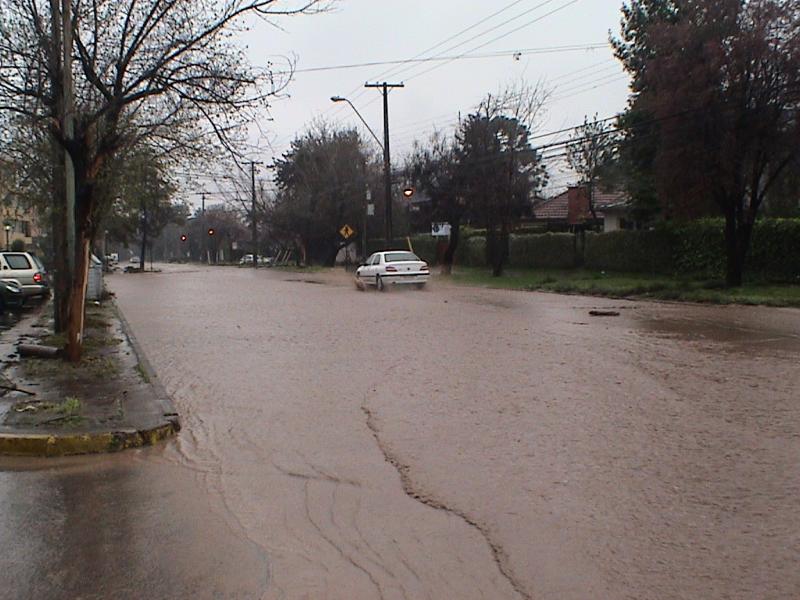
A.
x: 25, y: 270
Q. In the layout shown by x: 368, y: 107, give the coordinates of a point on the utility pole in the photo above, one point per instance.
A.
x: 253, y: 223
x: 387, y: 162
x: 204, y: 251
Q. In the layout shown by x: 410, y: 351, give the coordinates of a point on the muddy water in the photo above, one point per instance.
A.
x: 453, y: 443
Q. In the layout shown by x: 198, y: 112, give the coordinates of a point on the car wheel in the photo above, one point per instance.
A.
x: 379, y: 284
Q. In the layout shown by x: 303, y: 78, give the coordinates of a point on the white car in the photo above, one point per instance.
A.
x: 247, y: 259
x: 392, y: 267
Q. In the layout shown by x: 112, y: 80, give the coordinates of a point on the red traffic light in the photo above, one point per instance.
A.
x: 210, y: 231
x: 184, y: 238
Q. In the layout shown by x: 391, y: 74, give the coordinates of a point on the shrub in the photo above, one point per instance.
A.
x: 631, y: 251
x: 471, y: 252
x: 547, y: 250
x: 700, y: 247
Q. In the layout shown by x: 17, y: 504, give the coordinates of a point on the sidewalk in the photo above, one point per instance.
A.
x: 109, y: 402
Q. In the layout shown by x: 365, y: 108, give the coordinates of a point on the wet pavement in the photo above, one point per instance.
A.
x: 451, y: 443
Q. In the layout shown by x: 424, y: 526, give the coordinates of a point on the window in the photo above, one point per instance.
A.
x: 17, y: 261
x: 376, y: 260
x: 400, y: 256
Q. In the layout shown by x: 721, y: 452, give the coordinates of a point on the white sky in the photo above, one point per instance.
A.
x: 582, y: 82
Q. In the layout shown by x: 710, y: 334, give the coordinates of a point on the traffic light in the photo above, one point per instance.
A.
x: 184, y: 238
x: 210, y: 231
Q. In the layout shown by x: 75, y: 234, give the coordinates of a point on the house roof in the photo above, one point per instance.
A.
x: 557, y: 207
x: 552, y: 209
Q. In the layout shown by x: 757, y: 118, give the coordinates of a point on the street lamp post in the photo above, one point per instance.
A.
x: 7, y: 227
x: 387, y: 166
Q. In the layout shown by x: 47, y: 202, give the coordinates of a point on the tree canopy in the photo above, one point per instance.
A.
x: 322, y: 181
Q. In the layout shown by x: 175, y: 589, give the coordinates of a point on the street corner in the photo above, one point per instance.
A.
x: 108, y: 402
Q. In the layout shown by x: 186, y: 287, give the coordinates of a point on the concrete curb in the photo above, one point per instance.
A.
x: 48, y: 446
x: 167, y: 407
x: 97, y: 442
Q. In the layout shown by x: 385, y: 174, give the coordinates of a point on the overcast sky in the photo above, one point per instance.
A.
x: 582, y: 81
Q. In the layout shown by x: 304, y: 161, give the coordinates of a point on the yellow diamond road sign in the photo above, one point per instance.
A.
x: 347, y: 232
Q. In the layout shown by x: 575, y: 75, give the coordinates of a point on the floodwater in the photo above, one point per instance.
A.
x: 451, y: 443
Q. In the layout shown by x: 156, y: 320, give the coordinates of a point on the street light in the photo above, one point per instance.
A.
x: 387, y: 166
x: 7, y: 227
x: 342, y: 99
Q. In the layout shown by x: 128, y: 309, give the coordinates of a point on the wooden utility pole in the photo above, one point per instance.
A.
x: 387, y: 162
x: 253, y: 222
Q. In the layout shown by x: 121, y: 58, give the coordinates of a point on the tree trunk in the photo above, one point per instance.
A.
x: 452, y: 246
x: 738, y: 233
x: 60, y: 266
x: 500, y: 252
x: 77, y: 301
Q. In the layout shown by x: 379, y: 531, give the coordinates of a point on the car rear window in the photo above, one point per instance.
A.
x: 17, y: 261
x: 400, y: 256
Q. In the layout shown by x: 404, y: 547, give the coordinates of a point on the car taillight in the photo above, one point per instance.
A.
x: 37, y: 277
x: 423, y: 268
x: 391, y: 269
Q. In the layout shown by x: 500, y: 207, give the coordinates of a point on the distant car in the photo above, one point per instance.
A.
x: 26, y: 271
x: 134, y: 260
x: 247, y: 259
x: 393, y: 267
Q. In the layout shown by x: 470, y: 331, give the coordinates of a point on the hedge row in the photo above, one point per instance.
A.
x: 696, y: 248
x: 631, y: 251
x: 547, y: 250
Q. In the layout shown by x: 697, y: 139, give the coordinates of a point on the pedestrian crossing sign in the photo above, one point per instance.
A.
x: 347, y: 232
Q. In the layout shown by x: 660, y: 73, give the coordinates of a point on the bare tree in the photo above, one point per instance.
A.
x: 166, y: 71
x: 593, y: 147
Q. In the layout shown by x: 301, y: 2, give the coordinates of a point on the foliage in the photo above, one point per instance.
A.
x: 721, y: 82
x: 498, y: 170
x: 321, y: 187
x: 142, y: 202
x: 639, y: 130
x: 631, y: 251
x: 593, y: 150
x: 552, y: 250
x: 433, y: 170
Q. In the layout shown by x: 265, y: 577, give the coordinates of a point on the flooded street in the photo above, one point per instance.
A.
x: 451, y: 443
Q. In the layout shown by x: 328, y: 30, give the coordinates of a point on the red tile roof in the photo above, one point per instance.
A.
x: 557, y: 207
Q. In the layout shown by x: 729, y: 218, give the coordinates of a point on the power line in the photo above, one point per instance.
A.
x: 394, y: 72
x: 504, y: 35
x: 483, y: 45
x: 497, y: 54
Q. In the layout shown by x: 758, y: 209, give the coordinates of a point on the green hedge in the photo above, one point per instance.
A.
x: 775, y: 251
x: 631, y: 251
x: 547, y: 250
x: 700, y: 247
x: 471, y: 252
x: 696, y: 248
